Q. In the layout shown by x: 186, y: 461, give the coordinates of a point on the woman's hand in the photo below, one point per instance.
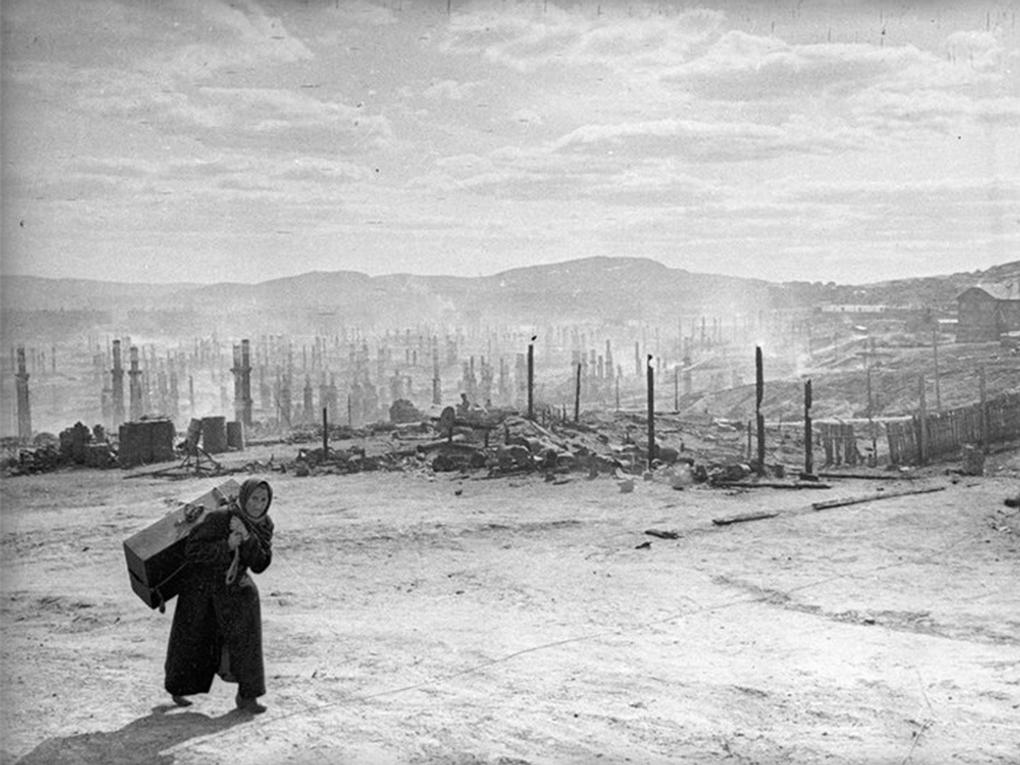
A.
x: 238, y: 533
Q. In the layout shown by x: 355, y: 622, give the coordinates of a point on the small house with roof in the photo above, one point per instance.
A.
x: 986, y: 311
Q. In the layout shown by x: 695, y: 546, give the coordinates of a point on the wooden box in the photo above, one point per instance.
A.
x: 155, y: 555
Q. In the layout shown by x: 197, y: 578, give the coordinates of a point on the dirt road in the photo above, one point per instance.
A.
x: 442, y: 619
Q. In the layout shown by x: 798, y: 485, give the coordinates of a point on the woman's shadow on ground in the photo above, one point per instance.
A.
x: 137, y: 743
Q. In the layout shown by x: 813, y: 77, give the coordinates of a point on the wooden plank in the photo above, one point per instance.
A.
x: 870, y: 476
x: 772, y: 485
x: 831, y: 503
x: 743, y: 518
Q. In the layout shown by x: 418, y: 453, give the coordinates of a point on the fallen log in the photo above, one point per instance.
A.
x: 828, y: 504
x: 742, y: 518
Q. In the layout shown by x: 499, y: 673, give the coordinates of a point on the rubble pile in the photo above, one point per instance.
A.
x: 504, y: 443
x: 75, y: 446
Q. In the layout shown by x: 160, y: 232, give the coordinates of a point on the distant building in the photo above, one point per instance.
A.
x: 860, y: 309
x: 986, y: 311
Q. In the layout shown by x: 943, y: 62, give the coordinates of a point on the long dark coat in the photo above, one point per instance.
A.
x: 211, y: 613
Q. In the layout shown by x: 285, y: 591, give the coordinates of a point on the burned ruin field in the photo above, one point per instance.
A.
x: 417, y: 617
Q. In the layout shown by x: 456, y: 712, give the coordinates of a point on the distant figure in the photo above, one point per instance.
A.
x: 464, y: 407
x: 217, y: 627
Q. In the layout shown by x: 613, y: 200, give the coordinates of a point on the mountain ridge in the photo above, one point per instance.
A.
x: 593, y: 289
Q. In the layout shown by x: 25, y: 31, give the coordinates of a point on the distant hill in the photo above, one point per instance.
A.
x: 34, y: 293
x: 596, y: 290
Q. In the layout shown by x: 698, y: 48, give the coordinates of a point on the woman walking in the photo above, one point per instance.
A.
x: 217, y: 626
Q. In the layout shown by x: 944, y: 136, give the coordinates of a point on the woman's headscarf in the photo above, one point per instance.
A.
x: 262, y: 526
x: 247, y: 488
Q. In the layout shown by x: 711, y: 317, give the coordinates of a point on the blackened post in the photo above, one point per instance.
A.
x: 652, y: 453
x: 325, y: 433
x: 437, y: 388
x: 24, y: 402
x: 871, y: 422
x: 577, y: 396
x: 759, y: 417
x: 246, y: 411
x: 809, y: 453
x: 531, y: 378
x: 118, y: 387
x: 135, y: 386
x: 238, y: 385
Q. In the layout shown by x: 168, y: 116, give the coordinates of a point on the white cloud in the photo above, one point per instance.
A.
x: 526, y: 38
x: 527, y: 117
x: 981, y: 50
x: 451, y: 89
x: 715, y: 141
x: 237, y: 37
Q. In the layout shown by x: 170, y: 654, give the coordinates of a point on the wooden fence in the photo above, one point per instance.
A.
x: 946, y: 433
x: 838, y: 442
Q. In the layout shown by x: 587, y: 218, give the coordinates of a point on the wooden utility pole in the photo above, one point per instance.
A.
x: 759, y: 417
x: 922, y: 437
x: 651, y: 411
x: 935, y: 354
x: 984, y: 410
x: 676, y: 389
x: 809, y: 445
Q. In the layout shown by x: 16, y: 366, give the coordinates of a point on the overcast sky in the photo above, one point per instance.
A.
x: 209, y: 141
